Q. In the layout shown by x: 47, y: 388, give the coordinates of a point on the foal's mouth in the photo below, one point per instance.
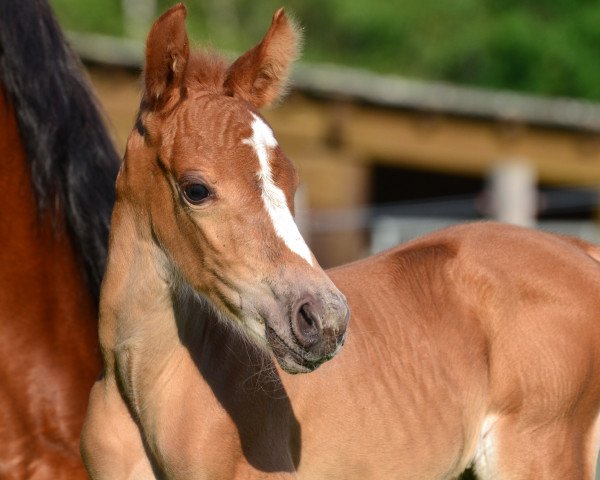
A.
x: 291, y: 359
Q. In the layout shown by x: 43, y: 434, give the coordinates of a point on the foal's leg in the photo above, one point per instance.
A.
x: 111, y: 445
x: 561, y: 450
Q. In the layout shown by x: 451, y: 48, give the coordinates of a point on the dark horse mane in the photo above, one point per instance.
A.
x: 72, y: 159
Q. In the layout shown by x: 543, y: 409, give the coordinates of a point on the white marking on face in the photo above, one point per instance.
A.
x: 262, y: 140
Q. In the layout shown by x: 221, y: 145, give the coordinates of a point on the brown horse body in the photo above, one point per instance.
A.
x: 48, y: 301
x: 478, y: 345
x: 46, y: 364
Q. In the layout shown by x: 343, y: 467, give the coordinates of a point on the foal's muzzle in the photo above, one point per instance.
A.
x: 316, y: 332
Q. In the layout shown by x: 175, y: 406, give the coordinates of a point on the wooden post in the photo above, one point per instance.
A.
x: 513, y: 193
x: 334, y: 183
x: 302, y: 211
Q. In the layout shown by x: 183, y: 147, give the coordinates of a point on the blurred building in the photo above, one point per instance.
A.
x: 383, y: 159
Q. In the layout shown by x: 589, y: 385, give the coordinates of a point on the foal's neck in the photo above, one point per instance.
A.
x: 161, y: 342
x: 150, y: 318
x: 137, y: 327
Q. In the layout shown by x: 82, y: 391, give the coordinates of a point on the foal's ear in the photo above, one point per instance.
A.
x: 167, y: 53
x: 259, y: 75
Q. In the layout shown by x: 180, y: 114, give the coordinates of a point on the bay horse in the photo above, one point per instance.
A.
x: 477, y: 345
x: 57, y: 173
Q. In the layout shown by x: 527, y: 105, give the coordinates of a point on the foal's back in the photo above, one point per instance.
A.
x: 479, y: 342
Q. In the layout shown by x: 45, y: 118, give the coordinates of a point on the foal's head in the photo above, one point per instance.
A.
x: 204, y: 170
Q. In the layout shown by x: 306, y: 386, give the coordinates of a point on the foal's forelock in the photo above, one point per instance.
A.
x: 274, y: 200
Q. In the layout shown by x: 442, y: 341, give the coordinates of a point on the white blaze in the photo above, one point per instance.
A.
x: 262, y: 140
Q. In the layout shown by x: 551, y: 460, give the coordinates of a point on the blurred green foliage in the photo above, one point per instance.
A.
x: 549, y: 47
x: 102, y: 16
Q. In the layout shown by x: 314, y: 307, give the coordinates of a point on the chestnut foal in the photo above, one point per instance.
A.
x: 478, y: 345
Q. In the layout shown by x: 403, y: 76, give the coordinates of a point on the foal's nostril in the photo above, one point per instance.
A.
x: 306, y: 326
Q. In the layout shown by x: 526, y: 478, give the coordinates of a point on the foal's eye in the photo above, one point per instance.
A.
x: 195, y: 193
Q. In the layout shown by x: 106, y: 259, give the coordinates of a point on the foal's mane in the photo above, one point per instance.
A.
x: 72, y: 159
